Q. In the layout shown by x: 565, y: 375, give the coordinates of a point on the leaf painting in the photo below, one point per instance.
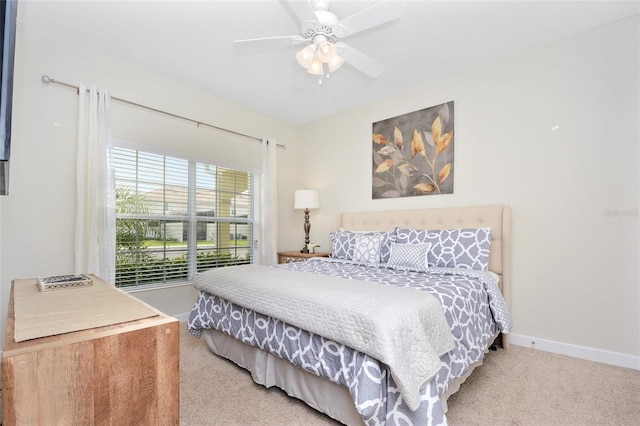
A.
x: 413, y: 153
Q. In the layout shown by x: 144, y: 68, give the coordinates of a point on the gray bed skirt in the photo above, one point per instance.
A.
x: 321, y: 394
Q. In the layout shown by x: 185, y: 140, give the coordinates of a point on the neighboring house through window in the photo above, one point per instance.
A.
x: 177, y: 216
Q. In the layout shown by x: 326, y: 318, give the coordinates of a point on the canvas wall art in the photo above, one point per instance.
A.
x: 413, y: 153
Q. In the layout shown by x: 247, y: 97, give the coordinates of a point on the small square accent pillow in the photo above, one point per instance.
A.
x: 409, y: 256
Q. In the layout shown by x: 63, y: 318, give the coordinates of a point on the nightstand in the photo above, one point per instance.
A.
x: 296, y: 256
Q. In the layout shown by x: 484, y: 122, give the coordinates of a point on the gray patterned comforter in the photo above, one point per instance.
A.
x: 406, y: 331
x: 474, y: 309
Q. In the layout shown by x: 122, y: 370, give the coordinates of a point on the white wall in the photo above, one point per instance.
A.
x: 575, y: 265
x: 37, y: 218
x: 575, y: 272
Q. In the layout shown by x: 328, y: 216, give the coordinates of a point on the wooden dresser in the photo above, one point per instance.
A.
x: 125, y: 373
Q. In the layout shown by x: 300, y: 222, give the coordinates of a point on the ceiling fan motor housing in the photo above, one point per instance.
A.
x: 325, y: 27
x: 320, y: 34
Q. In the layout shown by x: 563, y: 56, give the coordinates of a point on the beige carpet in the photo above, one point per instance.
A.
x: 516, y: 387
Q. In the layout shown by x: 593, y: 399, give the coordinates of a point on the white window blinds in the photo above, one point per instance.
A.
x: 176, y: 217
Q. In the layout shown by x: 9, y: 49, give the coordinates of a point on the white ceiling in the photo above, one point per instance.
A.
x: 191, y: 41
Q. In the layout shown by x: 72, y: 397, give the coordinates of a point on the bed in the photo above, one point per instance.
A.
x: 340, y: 362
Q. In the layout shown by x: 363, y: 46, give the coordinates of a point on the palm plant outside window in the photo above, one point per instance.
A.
x: 176, y: 217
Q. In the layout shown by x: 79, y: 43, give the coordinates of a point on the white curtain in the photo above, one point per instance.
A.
x: 95, y: 234
x: 269, y: 204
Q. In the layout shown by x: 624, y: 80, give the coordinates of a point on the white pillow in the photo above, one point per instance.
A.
x: 366, y: 249
x: 409, y: 256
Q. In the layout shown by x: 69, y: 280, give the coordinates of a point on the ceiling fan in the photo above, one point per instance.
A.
x: 321, y: 30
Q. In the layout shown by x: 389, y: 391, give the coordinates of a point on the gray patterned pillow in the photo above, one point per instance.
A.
x: 452, y: 248
x: 411, y: 257
x: 343, y: 242
x: 367, y: 248
x: 385, y: 245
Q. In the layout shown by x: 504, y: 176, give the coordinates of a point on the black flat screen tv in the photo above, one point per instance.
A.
x: 8, y: 16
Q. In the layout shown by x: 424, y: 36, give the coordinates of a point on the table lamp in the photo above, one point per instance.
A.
x: 306, y: 199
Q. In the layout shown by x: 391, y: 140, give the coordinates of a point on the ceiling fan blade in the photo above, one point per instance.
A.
x: 373, y: 16
x: 303, y: 11
x: 360, y: 61
x: 268, y: 42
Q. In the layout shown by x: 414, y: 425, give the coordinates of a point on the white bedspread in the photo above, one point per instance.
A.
x: 406, y: 330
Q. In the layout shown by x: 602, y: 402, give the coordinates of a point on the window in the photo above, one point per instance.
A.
x: 176, y: 217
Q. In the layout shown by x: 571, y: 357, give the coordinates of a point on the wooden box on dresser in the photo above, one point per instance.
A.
x: 120, y: 374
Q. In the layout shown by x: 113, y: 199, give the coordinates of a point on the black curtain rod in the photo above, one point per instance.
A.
x: 47, y: 79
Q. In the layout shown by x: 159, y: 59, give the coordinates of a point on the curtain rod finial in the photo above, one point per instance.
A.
x: 46, y: 79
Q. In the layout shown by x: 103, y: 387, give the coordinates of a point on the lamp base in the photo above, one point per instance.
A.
x: 307, y: 228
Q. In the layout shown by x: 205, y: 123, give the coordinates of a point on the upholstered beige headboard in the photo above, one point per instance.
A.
x: 496, y: 217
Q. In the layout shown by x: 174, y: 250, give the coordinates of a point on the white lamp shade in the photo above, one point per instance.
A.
x: 316, y: 67
x: 326, y: 51
x: 305, y: 56
x: 306, y: 199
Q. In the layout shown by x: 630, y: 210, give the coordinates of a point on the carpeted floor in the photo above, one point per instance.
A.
x: 516, y: 387
x: 523, y: 386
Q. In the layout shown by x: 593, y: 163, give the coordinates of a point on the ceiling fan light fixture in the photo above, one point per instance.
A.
x: 305, y: 56
x: 326, y: 51
x: 316, y: 67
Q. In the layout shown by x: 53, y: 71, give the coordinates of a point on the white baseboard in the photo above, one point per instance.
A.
x: 575, y: 351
